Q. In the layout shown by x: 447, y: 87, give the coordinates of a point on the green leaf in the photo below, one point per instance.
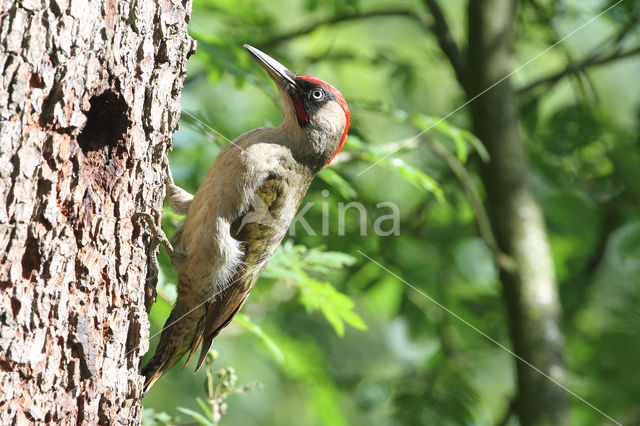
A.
x: 417, y: 177
x: 196, y: 416
x: 477, y: 145
x: 152, y: 418
x: 315, y: 259
x: 333, y: 179
x: 336, y: 307
x: 257, y: 331
x: 285, y: 264
x: 334, y: 319
x: 459, y: 136
x: 426, y: 122
x: 296, y: 264
x: 205, y: 408
x: 354, y: 320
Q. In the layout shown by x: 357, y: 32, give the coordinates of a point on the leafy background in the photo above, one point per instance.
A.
x: 330, y: 337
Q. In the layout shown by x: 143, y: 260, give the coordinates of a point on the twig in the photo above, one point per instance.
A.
x: 504, y: 261
x: 546, y: 19
x: 342, y: 18
x: 591, y: 61
x: 446, y: 41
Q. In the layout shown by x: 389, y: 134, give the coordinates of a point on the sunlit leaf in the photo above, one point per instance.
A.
x: 415, y: 176
x: 335, y: 306
x: 333, y: 179
x: 257, y: 331
x: 196, y: 416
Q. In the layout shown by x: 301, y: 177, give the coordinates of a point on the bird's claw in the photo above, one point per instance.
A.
x: 159, y: 237
x: 157, y: 233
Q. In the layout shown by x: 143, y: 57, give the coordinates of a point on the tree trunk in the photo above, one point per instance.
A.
x: 530, y: 290
x: 89, y: 98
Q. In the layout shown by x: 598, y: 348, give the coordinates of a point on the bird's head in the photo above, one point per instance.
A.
x: 316, y: 113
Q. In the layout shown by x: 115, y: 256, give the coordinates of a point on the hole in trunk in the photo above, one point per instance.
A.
x: 103, y: 142
x: 107, y: 123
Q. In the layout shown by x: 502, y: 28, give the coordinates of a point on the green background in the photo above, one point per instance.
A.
x: 334, y: 339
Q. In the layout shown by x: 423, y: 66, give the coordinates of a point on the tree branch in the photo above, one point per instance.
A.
x: 626, y: 30
x: 503, y: 260
x: 545, y: 17
x: 591, y: 61
x: 445, y: 40
x: 424, y: 22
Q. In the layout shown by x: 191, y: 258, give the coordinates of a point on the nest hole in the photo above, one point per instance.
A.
x: 104, y: 142
x: 107, y: 124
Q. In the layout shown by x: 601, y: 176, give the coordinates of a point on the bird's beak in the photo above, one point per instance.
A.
x: 278, y: 72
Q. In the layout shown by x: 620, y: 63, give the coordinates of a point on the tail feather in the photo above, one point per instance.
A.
x: 212, y: 327
x: 194, y: 346
x: 205, y: 349
x: 189, y: 328
x: 175, y: 341
x: 151, y: 376
x: 160, y: 364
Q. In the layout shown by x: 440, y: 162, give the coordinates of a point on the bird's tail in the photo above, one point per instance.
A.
x: 176, y: 340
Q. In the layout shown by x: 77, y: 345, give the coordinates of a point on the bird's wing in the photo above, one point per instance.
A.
x: 227, y: 193
x: 260, y: 237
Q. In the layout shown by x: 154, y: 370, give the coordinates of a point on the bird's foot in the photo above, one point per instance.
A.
x: 157, y: 234
x: 152, y: 274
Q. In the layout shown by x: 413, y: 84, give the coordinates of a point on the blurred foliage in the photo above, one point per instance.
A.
x: 335, y: 339
x: 220, y: 384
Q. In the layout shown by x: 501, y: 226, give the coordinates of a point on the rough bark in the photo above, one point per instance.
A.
x: 529, y: 290
x: 89, y: 98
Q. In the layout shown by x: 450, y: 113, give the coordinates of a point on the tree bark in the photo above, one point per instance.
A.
x: 89, y: 98
x: 529, y: 290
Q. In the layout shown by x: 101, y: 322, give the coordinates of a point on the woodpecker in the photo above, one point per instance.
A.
x: 242, y: 210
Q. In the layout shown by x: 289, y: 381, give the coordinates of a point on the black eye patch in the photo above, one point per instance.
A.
x: 306, y: 89
x: 313, y: 97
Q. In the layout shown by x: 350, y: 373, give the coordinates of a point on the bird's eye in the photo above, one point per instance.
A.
x: 317, y: 94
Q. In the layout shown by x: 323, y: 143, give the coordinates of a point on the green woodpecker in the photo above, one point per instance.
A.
x: 242, y: 210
